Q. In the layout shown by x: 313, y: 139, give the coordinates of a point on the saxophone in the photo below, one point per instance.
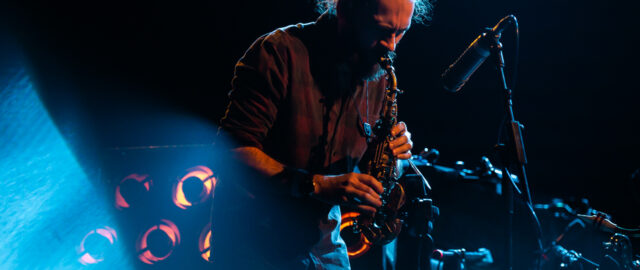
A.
x: 387, y: 222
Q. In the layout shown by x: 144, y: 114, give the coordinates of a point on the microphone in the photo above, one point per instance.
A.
x: 457, y: 74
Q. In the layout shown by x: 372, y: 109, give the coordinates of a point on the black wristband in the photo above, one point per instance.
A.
x: 301, y: 181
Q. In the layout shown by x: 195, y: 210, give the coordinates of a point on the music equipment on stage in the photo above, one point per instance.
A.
x: 386, y: 224
x: 510, y: 148
x: 619, y: 254
x: 485, y: 173
x: 565, y: 258
x: 457, y: 74
x: 599, y: 220
x: 614, y: 254
x: 590, y: 241
x: 459, y: 259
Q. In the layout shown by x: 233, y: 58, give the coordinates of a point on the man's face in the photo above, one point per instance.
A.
x: 382, y: 27
x: 379, y: 29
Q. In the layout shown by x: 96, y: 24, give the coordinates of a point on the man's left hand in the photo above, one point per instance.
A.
x: 402, y: 144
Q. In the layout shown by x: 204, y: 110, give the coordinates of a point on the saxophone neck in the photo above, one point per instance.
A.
x: 387, y: 64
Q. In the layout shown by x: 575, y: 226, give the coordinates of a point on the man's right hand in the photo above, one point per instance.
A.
x: 360, y: 190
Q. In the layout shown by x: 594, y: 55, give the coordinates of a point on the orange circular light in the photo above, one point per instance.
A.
x: 362, y: 245
x: 169, y: 229
x: 202, y: 173
x: 87, y: 258
x: 140, y: 178
x: 204, y: 243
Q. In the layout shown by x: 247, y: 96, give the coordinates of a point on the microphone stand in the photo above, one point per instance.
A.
x: 512, y: 153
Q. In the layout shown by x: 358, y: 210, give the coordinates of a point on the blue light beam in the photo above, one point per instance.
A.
x: 47, y: 203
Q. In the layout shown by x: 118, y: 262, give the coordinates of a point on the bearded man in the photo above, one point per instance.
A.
x: 303, y: 100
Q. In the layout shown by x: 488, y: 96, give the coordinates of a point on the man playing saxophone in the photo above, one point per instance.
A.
x: 303, y: 102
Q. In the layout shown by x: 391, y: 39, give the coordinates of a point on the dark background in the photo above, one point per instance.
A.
x: 112, y: 74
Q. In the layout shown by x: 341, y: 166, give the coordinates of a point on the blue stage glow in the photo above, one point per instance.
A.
x: 51, y: 213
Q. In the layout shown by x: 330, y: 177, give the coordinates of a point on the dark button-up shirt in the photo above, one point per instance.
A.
x: 294, y: 100
x: 294, y: 97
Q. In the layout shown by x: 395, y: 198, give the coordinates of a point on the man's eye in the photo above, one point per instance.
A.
x: 384, y: 32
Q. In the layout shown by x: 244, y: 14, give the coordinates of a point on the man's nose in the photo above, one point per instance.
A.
x: 389, y: 42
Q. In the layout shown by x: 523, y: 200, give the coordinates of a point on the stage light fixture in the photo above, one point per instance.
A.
x: 194, y: 187
x: 132, y: 185
x: 204, y: 243
x: 148, y: 253
x: 91, y: 248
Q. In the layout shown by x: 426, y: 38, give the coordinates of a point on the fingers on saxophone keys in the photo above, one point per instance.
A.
x: 363, y: 198
x: 402, y: 149
x: 371, y: 182
x: 367, y: 210
x: 362, y: 187
x: 399, y: 141
x: 398, y: 129
x: 406, y: 155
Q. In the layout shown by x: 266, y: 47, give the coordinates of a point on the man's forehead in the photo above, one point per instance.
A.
x: 393, y: 13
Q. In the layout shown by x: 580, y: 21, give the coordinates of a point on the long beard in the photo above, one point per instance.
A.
x: 371, y: 70
x: 374, y: 73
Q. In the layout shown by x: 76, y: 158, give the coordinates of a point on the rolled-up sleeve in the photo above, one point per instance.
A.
x: 259, y: 85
